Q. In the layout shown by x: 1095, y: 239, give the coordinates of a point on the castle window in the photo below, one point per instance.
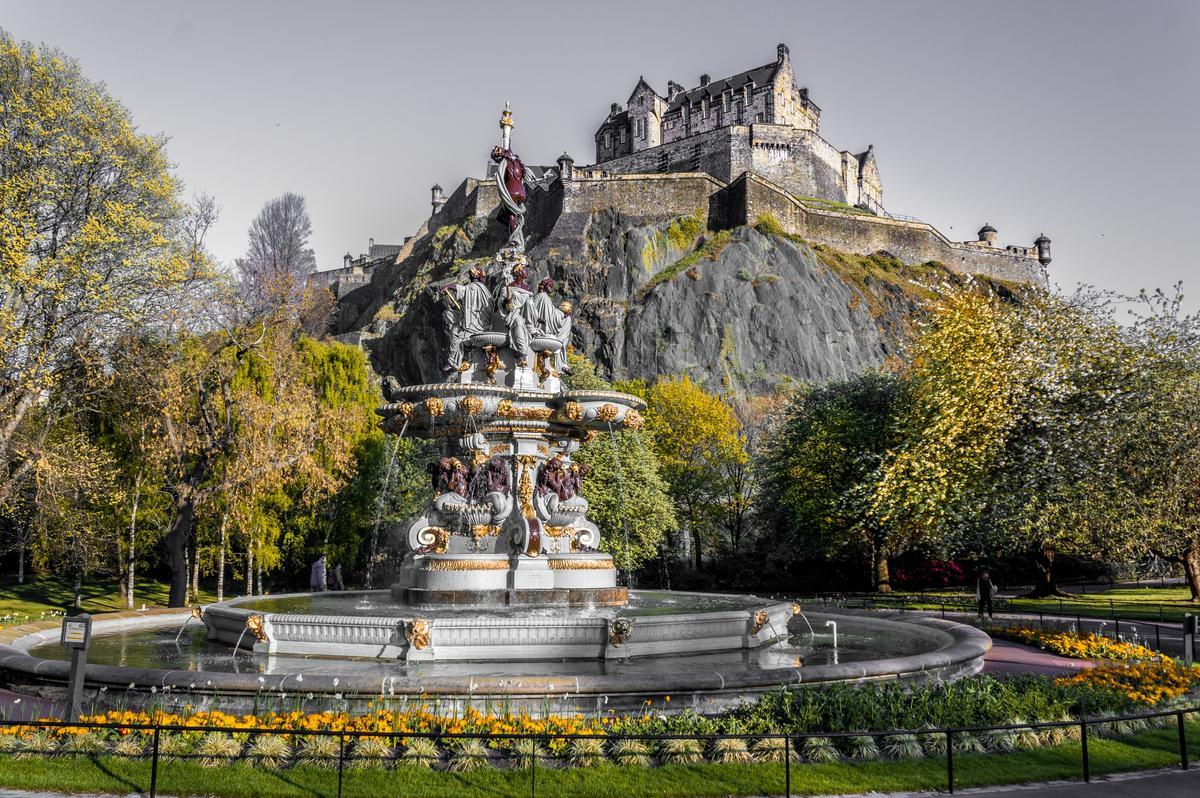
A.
x: 607, y: 138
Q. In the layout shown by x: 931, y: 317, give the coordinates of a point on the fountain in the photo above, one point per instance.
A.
x: 504, y: 589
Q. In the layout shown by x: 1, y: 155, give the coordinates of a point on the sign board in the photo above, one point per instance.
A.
x: 76, y: 631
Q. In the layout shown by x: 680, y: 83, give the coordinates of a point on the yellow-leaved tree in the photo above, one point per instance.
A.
x: 699, y: 442
x: 89, y: 229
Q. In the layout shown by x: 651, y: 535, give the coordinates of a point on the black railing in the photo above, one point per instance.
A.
x: 791, y: 743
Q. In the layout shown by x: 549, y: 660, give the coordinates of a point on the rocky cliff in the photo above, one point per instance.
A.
x: 747, y: 309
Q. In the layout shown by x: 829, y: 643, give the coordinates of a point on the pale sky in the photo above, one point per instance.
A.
x: 1076, y: 118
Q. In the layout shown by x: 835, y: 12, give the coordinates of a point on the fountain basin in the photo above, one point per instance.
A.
x: 479, y: 634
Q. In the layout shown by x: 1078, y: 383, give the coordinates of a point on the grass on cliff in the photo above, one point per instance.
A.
x: 107, y: 774
x: 710, y: 249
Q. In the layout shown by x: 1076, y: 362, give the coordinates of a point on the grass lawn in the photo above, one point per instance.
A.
x: 46, y: 593
x: 1134, y: 603
x: 1154, y: 749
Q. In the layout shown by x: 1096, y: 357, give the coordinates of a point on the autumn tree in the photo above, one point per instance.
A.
x: 697, y: 438
x: 89, y: 241
x: 273, y: 274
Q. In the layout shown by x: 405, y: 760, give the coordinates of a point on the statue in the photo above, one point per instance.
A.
x: 510, y: 183
x: 466, y: 310
x: 491, y: 476
x: 552, y: 322
x: 449, y: 475
x: 516, y: 296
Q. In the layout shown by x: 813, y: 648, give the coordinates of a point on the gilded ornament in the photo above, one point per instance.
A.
x: 573, y: 411
x: 256, y: 623
x: 590, y: 436
x: 761, y: 619
x: 418, y: 633
x: 471, y: 406
x: 633, y: 419
x: 607, y: 412
x: 559, y: 531
x: 491, y: 363
x: 540, y: 368
x: 435, y: 406
x: 795, y: 608
x: 465, y: 565
x: 480, y: 531
x: 197, y: 613
x: 525, y: 488
x: 505, y: 408
x: 405, y: 409
x: 581, y: 565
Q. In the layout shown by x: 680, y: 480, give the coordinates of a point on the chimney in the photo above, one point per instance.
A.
x: 704, y: 79
x: 370, y: 243
x: 614, y: 109
x: 782, y: 52
x: 673, y: 88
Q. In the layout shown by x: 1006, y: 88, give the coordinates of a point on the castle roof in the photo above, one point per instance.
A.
x: 383, y: 250
x: 759, y: 76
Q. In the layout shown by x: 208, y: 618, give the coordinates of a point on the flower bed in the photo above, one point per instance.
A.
x: 1078, y: 646
x: 1146, y: 683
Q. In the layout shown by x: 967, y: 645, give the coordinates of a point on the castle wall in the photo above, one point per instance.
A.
x: 652, y: 196
x: 722, y: 153
x: 911, y: 242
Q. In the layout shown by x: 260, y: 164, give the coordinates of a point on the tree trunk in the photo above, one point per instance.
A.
x: 1046, y: 584
x: 221, y: 558
x: 78, y: 588
x: 250, y: 568
x: 1191, y: 570
x: 131, y: 553
x: 21, y: 562
x: 882, y: 576
x: 258, y: 590
x: 179, y: 535
x: 196, y: 573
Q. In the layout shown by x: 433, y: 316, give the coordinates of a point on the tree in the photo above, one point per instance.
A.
x: 697, y: 438
x: 1055, y: 485
x: 822, y: 465
x: 628, y: 499
x: 89, y: 244
x: 275, y: 269
x: 1160, y: 460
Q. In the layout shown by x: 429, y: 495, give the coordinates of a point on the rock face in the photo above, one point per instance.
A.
x: 737, y: 310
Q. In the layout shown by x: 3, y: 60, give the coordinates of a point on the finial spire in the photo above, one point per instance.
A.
x: 507, y: 124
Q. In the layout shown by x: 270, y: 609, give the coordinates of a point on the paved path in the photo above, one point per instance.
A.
x: 1159, y: 784
x: 1009, y: 658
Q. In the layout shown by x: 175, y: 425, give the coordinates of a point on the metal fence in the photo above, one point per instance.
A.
x: 791, y: 743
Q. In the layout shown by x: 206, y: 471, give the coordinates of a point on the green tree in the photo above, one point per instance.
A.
x: 628, y: 498
x: 822, y: 465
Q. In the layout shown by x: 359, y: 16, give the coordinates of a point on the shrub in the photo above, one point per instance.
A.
x: 82, y: 743
x: 773, y: 749
x: 217, y: 748
x: 730, y: 751
x: 768, y: 224
x: 587, y: 752
x: 903, y: 746
x: 420, y: 751
x: 524, y: 752
x: 319, y: 751
x: 862, y: 747
x: 682, y: 751
x: 631, y: 752
x: 819, y: 749
x: 371, y: 752
x: 468, y: 755
x: 270, y: 751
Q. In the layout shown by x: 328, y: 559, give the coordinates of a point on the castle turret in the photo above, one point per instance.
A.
x: 987, y: 235
x: 782, y: 52
x: 347, y: 259
x: 1043, y: 247
x: 437, y: 198
x: 566, y: 166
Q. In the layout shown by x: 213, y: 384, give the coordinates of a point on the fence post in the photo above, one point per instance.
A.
x: 341, y: 760
x: 1183, y: 754
x: 1087, y: 766
x: 533, y: 770
x: 787, y: 766
x: 1117, y: 630
x: 950, y: 761
x: 154, y: 764
x: 1157, y: 637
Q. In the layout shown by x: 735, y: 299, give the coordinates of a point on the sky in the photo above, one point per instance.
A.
x: 1076, y: 118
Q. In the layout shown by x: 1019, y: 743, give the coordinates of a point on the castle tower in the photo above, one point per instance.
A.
x: 437, y: 198
x: 1043, y: 247
x: 566, y: 167
x: 987, y: 235
x: 646, y: 108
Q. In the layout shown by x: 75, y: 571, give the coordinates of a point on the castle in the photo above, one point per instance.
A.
x: 756, y: 121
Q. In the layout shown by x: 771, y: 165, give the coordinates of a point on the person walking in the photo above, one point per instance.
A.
x: 338, y: 584
x: 316, y: 580
x: 985, y: 591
